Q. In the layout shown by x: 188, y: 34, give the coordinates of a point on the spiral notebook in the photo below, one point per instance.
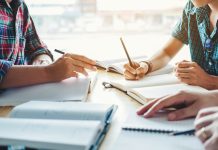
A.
x: 158, y: 124
x: 153, y: 133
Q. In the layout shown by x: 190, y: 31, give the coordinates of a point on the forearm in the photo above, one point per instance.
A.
x: 161, y: 58
x: 25, y: 75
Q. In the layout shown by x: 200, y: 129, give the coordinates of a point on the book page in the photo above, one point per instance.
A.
x: 72, y: 89
x: 63, y: 111
x: 158, y: 122
x: 49, y: 134
x: 160, y: 91
x: 148, y: 81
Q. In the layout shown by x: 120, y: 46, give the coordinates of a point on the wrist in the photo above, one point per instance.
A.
x: 213, y: 82
x: 149, y: 66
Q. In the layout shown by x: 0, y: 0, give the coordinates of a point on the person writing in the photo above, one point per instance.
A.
x: 197, y: 28
x: 24, y: 58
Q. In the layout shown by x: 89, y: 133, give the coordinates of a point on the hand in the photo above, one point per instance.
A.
x: 42, y: 60
x: 206, y: 125
x: 69, y: 65
x: 192, y: 102
x: 136, y: 72
x: 191, y: 73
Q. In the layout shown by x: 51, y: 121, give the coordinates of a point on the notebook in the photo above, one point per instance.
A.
x: 57, y: 125
x: 153, y: 133
x: 72, y: 89
x: 116, y: 65
x: 151, y: 87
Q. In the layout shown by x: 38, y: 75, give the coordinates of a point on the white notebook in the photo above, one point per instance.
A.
x: 49, y: 134
x: 57, y: 125
x: 72, y: 89
x: 148, y: 133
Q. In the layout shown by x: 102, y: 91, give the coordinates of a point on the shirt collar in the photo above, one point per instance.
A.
x: 200, y: 10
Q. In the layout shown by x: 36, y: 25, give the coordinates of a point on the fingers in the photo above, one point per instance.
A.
x: 184, y: 113
x: 82, y: 61
x: 130, y: 69
x: 206, y: 111
x: 129, y: 76
x: 136, y: 72
x: 204, y: 134
x: 168, y: 101
x: 186, y: 64
x: 145, y: 108
x: 205, y: 121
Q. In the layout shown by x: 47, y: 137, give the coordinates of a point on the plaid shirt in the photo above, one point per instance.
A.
x: 193, y: 29
x: 19, y: 42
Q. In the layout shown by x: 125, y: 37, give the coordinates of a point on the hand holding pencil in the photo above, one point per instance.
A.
x: 134, y: 70
x: 69, y: 65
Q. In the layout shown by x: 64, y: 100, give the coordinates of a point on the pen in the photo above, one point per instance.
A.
x: 59, y: 51
x: 124, y: 47
x: 187, y: 132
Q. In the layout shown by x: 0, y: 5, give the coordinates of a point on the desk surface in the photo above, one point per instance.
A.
x: 107, y: 96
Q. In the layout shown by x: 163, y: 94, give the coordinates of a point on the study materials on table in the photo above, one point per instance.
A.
x: 117, y: 65
x: 72, y: 89
x: 154, y: 133
x: 57, y: 125
x: 159, y: 86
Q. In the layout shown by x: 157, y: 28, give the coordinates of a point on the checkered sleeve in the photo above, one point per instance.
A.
x: 180, y: 31
x: 34, y: 45
x: 4, y: 67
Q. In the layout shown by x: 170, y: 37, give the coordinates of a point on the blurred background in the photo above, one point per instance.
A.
x: 93, y: 27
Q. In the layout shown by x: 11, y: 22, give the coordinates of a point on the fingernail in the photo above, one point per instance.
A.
x: 94, y: 68
x: 172, y: 116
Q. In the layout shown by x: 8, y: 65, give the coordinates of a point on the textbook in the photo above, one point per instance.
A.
x: 71, y: 89
x: 151, y: 87
x: 57, y: 125
x: 155, y: 133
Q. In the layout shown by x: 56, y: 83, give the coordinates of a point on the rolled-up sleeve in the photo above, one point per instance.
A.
x: 180, y: 31
x: 34, y: 46
x: 4, y: 67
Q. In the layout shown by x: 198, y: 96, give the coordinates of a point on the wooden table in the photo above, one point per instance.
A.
x: 99, y: 94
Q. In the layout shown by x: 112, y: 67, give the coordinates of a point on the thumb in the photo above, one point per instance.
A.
x: 182, y: 113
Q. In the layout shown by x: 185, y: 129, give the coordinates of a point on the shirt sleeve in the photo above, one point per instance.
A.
x: 4, y: 67
x: 34, y: 46
x: 180, y: 31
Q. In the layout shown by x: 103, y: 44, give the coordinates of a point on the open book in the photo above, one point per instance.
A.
x: 57, y: 125
x: 117, y: 65
x: 72, y: 89
x: 154, y: 133
x: 151, y: 87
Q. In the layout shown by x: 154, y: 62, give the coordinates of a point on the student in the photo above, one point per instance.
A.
x: 24, y: 58
x: 197, y: 28
x: 206, y: 125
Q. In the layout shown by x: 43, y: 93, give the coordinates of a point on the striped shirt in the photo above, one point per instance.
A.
x: 19, y: 41
x: 193, y: 29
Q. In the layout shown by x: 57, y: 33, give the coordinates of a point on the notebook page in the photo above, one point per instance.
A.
x: 62, y: 110
x: 148, y: 81
x: 49, y: 134
x: 160, y: 91
x: 129, y: 140
x: 72, y: 89
x: 159, y: 122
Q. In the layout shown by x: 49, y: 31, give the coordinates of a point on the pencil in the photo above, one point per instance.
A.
x: 59, y: 51
x: 124, y: 47
x: 187, y: 132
